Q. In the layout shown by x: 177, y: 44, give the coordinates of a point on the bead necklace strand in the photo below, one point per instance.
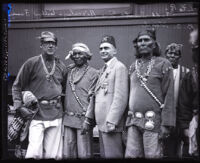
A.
x: 71, y: 82
x: 48, y: 74
x: 146, y: 74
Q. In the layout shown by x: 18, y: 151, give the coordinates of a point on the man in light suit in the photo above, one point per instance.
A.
x: 111, y: 97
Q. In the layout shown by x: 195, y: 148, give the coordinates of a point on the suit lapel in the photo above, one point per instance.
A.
x: 105, y: 74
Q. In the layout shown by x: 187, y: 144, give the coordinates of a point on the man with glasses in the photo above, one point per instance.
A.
x: 43, y: 76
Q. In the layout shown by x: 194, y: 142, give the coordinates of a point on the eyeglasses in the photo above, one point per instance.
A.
x: 48, y: 43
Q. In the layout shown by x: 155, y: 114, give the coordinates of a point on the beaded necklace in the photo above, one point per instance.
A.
x: 149, y: 68
x: 143, y: 79
x: 48, y: 74
x: 72, y: 83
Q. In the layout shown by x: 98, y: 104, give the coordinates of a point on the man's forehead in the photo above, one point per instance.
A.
x: 144, y: 37
x: 78, y: 51
x: 106, y: 44
x: 49, y: 39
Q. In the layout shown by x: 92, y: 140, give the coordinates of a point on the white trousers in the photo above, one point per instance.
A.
x: 45, y: 139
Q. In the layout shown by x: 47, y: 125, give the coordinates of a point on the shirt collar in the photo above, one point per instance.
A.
x: 109, y: 62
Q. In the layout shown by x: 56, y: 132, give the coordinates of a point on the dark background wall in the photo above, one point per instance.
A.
x: 24, y: 30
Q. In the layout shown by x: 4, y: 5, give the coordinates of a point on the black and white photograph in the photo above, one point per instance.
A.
x: 100, y: 80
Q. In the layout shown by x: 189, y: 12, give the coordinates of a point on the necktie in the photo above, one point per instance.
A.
x: 105, y: 66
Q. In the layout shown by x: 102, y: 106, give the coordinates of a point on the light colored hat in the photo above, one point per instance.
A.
x: 28, y: 98
x: 81, y: 47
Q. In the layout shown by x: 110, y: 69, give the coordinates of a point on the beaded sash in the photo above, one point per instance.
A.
x: 151, y: 94
x: 72, y: 85
x: 143, y: 79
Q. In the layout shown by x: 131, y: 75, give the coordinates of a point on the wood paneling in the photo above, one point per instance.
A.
x: 23, y: 42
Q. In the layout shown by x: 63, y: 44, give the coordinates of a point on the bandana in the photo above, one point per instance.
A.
x: 174, y: 48
x: 149, y: 32
x: 81, y: 47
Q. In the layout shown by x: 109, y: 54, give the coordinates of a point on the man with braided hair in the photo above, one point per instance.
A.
x: 81, y: 77
x: 151, y: 104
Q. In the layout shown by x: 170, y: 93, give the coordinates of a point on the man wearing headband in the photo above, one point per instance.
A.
x: 151, y: 104
x: 111, y: 97
x: 81, y: 77
x: 43, y: 76
x: 173, y: 54
x: 188, y: 109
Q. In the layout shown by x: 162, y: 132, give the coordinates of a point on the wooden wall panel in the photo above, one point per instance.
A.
x: 23, y: 43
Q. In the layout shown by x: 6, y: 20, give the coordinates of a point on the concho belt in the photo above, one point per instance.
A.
x: 149, y: 117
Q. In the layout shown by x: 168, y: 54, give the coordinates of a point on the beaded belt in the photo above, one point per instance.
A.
x: 136, y: 114
x: 75, y: 114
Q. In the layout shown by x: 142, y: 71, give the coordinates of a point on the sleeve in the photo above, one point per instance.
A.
x: 93, y: 83
x: 20, y: 83
x: 91, y: 96
x: 168, y: 114
x: 120, y: 97
x: 184, y: 111
x: 65, y: 72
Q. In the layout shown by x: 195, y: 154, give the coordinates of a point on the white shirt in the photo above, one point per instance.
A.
x: 108, y: 63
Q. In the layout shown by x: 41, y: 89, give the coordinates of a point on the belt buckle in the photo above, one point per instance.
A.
x: 138, y: 115
x: 70, y: 113
x: 44, y: 102
x: 149, y: 116
x: 149, y: 125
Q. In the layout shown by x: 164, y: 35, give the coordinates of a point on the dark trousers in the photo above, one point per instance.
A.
x: 172, y: 145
